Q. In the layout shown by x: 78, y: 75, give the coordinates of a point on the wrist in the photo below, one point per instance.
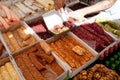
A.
x: 82, y: 12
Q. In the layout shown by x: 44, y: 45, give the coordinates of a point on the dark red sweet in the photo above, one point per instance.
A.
x: 111, y: 49
x: 116, y: 46
x: 106, y: 52
x: 101, y: 57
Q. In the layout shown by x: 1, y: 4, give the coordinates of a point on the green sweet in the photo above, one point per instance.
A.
x: 113, y: 66
x: 118, y: 53
x: 107, y: 63
x: 112, y: 60
x: 117, y: 63
x: 112, y: 24
x: 108, y: 28
x: 117, y: 32
x: 115, y: 56
x: 112, y: 30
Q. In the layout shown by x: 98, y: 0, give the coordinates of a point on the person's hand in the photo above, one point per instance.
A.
x: 76, y: 15
x: 59, y: 4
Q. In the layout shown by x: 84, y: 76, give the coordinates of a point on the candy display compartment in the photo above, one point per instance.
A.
x: 83, y: 54
x: 8, y: 70
x: 34, y: 64
x: 40, y: 28
x: 54, y: 21
x: 94, y: 36
x: 18, y: 38
x: 29, y: 9
x: 110, y: 26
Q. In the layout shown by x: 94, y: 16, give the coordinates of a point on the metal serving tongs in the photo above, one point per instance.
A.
x: 63, y: 14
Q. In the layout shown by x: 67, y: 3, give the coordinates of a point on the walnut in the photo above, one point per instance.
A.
x: 90, y: 74
x: 97, y: 75
x: 84, y: 77
x: 83, y: 72
x: 104, y: 78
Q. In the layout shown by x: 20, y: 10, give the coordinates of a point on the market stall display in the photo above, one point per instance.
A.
x: 39, y: 43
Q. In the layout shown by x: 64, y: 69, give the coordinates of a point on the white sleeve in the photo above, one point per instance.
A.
x: 115, y: 8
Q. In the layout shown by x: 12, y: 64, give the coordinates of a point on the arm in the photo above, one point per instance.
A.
x: 102, y: 5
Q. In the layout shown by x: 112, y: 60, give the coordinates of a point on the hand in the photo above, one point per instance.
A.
x: 76, y: 15
x: 59, y: 4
